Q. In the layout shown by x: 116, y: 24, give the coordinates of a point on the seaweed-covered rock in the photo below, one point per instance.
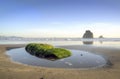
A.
x: 47, y: 51
x: 59, y: 52
x: 34, y: 48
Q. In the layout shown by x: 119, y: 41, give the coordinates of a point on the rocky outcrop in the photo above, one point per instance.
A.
x: 47, y: 51
x: 101, y: 36
x: 88, y: 34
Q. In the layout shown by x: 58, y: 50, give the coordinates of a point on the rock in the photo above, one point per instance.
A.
x: 101, y: 36
x: 81, y: 54
x: 88, y: 34
x: 47, y: 51
x: 42, y: 78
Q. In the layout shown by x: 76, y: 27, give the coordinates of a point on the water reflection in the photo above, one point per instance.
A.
x: 101, y: 42
x: 88, y: 42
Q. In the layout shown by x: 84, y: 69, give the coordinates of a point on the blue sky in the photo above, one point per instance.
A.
x: 59, y: 18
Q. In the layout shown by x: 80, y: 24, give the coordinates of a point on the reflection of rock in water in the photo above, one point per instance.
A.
x: 101, y: 42
x: 48, y: 57
x: 88, y: 34
x: 101, y: 37
x: 87, y: 42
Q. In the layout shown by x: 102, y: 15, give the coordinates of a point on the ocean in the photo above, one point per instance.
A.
x: 95, y: 42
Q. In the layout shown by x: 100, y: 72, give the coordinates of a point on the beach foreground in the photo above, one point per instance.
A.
x: 10, y: 70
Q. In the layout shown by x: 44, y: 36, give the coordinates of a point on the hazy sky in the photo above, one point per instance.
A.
x: 59, y: 18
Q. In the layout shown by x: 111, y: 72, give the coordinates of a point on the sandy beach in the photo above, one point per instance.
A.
x: 11, y: 70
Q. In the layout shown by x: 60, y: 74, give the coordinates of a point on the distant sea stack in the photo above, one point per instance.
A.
x: 88, y: 34
x: 101, y: 36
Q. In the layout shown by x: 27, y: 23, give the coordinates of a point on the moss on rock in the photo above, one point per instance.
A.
x: 47, y: 51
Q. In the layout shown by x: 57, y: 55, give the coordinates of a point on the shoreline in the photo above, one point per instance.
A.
x: 12, y: 70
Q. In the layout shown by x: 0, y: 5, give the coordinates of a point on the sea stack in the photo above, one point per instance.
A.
x: 101, y: 36
x: 88, y: 34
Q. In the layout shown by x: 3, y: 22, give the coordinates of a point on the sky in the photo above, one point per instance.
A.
x: 59, y: 18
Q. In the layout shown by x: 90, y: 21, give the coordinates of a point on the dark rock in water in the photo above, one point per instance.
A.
x: 47, y: 51
x: 109, y: 63
x: 88, y: 34
x: 101, y: 36
x: 81, y: 54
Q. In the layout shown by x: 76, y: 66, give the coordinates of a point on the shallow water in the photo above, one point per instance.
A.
x: 79, y: 59
x: 115, y: 43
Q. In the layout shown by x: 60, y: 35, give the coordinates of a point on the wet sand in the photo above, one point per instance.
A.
x: 10, y: 70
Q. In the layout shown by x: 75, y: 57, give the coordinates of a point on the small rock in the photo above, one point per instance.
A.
x: 42, y: 78
x: 81, y: 54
